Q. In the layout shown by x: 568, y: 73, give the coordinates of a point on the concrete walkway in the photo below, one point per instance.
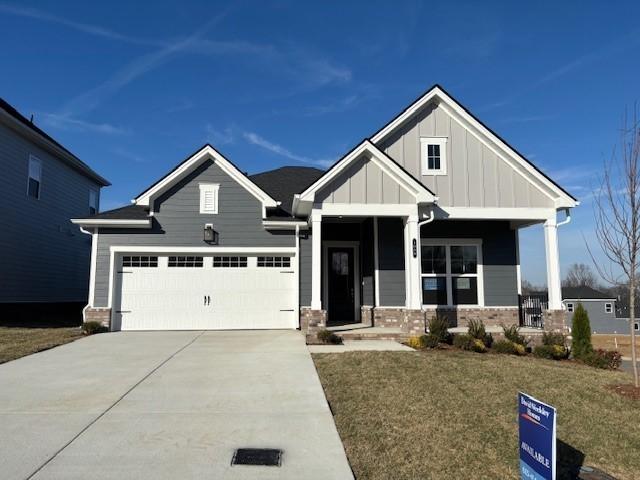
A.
x: 361, y: 346
x: 167, y: 405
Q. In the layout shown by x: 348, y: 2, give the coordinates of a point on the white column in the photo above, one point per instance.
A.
x: 316, y: 261
x: 553, y: 263
x: 518, y: 270
x: 376, y: 263
x: 411, y: 262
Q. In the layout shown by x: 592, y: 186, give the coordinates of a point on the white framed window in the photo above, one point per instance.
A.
x: 209, y: 198
x: 139, y: 261
x: 636, y: 326
x: 230, y: 262
x: 570, y: 307
x: 93, y: 202
x: 451, y: 272
x: 274, y: 262
x: 608, y: 308
x: 433, y: 152
x: 34, y: 182
x: 185, y: 262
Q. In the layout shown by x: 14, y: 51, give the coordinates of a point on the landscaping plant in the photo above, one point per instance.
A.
x: 328, y: 337
x: 551, y: 352
x: 554, y: 338
x: 508, y: 347
x: 423, y: 341
x: 580, y: 333
x: 605, y: 359
x: 512, y: 333
x: 465, y: 341
x: 476, y: 330
x: 439, y: 327
x: 90, y: 328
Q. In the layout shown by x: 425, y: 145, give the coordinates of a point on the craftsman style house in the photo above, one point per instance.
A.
x: 422, y: 216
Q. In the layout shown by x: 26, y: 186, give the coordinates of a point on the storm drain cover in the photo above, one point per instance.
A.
x: 270, y: 457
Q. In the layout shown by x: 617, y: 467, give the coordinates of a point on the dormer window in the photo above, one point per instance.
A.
x: 209, y: 198
x: 434, y: 155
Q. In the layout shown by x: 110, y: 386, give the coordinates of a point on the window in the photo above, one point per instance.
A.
x: 191, y: 262
x: 434, y: 156
x: 209, y: 198
x: 229, y: 261
x: 139, y: 261
x: 35, y: 177
x: 570, y: 307
x: 93, y: 202
x: 636, y: 326
x: 274, y: 261
x: 450, y: 274
x: 608, y: 308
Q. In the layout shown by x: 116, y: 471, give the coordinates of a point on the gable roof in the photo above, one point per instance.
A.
x: 207, y: 152
x: 386, y: 163
x: 129, y: 212
x: 9, y: 114
x: 284, y: 182
x: 437, y: 93
x: 584, y: 293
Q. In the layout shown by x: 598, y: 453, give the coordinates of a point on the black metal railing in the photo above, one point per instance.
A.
x: 531, y: 308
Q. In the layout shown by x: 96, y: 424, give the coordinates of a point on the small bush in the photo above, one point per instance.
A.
x: 430, y: 341
x: 605, y: 359
x: 416, y: 342
x: 505, y: 346
x: 581, y: 333
x: 476, y: 329
x: 554, y: 338
x: 329, y: 338
x: 439, y: 327
x: 463, y: 341
x: 478, y: 346
x: 423, y: 341
x: 512, y: 333
x: 551, y: 352
x: 92, y: 327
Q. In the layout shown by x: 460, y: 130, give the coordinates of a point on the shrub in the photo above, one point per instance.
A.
x: 554, y: 338
x: 605, y: 359
x: 476, y: 330
x: 328, y: 337
x: 505, y: 346
x: 89, y: 328
x: 430, y: 341
x: 551, y: 352
x: 512, y: 333
x: 423, y: 341
x: 581, y: 333
x: 415, y: 342
x: 478, y: 346
x: 463, y: 341
x: 439, y: 327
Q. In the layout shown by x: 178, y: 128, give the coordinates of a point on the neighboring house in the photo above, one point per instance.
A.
x: 422, y: 217
x: 600, y: 307
x: 44, y: 265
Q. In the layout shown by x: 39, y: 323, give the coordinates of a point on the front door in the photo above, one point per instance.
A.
x: 341, y: 285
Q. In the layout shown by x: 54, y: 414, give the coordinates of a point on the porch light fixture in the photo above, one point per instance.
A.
x: 210, y: 235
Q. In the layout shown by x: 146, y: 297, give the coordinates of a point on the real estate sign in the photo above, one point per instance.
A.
x: 537, y: 427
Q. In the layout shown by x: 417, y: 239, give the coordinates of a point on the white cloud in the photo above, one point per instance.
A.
x: 66, y: 122
x: 256, y: 139
x: 219, y: 137
x: 129, y: 155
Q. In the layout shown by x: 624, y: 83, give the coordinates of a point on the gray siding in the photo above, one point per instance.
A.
x: 600, y: 321
x: 44, y: 257
x: 305, y: 269
x: 391, y: 262
x: 476, y: 176
x: 367, y: 263
x: 177, y: 222
x: 498, y: 255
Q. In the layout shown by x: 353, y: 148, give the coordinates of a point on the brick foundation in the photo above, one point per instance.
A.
x: 414, y: 322
x: 312, y: 320
x: 491, y: 317
x: 388, y: 317
x: 555, y: 321
x: 102, y: 315
x: 366, y: 315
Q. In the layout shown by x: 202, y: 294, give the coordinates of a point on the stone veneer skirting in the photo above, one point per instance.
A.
x: 102, y: 315
x: 490, y: 316
x: 555, y: 321
x: 312, y: 320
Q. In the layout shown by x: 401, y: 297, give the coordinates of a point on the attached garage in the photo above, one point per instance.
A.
x: 204, y: 292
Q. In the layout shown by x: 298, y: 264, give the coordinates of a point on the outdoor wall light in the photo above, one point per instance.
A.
x: 210, y: 235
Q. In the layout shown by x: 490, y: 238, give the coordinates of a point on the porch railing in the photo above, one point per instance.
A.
x: 531, y: 308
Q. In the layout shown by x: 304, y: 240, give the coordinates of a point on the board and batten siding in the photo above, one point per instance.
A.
x: 177, y: 222
x: 45, y: 258
x: 476, y: 176
x: 364, y: 182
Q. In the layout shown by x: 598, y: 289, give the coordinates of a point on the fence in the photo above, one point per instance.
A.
x: 531, y: 308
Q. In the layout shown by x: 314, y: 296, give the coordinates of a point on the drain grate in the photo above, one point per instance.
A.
x: 270, y: 457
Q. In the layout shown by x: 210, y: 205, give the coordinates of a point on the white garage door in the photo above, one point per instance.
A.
x: 187, y: 292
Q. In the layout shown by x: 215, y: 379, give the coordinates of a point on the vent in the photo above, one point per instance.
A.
x: 269, y: 457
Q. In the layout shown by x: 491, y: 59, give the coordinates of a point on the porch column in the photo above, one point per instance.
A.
x: 412, y: 263
x: 316, y: 261
x: 553, y: 263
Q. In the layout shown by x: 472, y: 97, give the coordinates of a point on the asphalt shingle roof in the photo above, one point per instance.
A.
x: 130, y: 212
x: 282, y: 183
x: 583, y: 292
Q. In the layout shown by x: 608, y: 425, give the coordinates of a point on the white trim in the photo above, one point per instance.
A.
x: 285, y: 224
x: 552, y: 257
x: 376, y: 263
x: 518, y: 269
x: 214, y: 189
x: 570, y: 309
x: 610, y: 305
x: 355, y: 245
x: 366, y: 210
x: 444, y: 101
x: 498, y: 213
x: 110, y: 223
x: 316, y: 262
x: 205, y: 153
x: 212, y: 250
x: 589, y: 299
x: 92, y: 271
x: 297, y: 275
x: 424, y: 163
x: 389, y: 167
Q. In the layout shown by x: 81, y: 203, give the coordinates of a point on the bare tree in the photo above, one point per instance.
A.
x: 529, y: 288
x: 580, y: 275
x: 617, y: 219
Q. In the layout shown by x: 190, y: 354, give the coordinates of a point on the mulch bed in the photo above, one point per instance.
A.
x: 626, y: 390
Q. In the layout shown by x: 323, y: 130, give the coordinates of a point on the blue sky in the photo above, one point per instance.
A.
x: 133, y: 88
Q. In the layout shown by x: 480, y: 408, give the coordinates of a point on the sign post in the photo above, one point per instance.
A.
x: 537, y: 432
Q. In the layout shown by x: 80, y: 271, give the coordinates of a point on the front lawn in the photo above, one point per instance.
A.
x: 451, y: 414
x: 16, y: 342
x: 622, y: 343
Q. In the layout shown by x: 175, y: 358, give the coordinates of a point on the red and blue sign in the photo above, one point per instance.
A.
x: 537, y: 426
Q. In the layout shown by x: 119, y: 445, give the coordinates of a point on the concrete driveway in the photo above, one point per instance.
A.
x: 167, y: 405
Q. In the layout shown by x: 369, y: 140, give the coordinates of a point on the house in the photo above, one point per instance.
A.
x: 600, y: 307
x: 421, y: 217
x: 44, y: 266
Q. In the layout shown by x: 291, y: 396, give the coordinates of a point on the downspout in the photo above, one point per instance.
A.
x: 426, y: 220
x: 567, y: 212
x: 297, y: 275
x: 430, y: 219
x: 84, y: 309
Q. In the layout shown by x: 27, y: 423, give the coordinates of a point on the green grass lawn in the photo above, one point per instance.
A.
x: 451, y: 414
x: 16, y: 342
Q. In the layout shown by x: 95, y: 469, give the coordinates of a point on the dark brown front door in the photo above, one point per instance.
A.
x: 341, y: 285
